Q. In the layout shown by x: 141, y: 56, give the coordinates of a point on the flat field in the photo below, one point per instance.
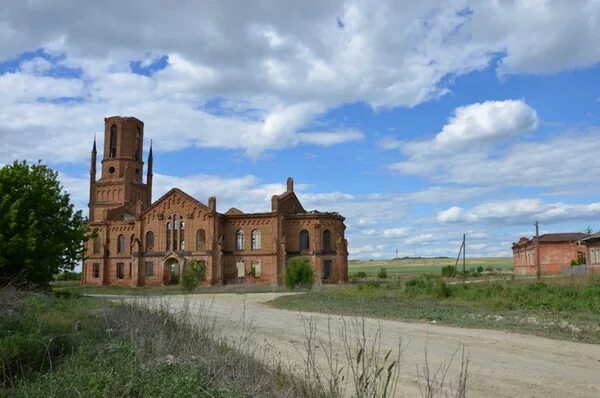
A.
x: 415, y: 266
x: 560, y: 307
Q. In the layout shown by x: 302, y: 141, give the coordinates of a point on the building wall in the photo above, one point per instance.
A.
x: 553, y: 257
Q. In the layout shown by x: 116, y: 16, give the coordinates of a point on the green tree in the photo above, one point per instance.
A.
x: 193, y: 273
x: 299, y: 273
x: 41, y: 234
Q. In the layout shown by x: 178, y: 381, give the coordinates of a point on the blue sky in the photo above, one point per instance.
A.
x: 418, y: 123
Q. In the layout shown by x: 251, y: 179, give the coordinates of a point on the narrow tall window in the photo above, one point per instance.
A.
x: 182, y: 235
x: 149, y: 268
x: 113, y: 141
x: 200, y: 240
x: 304, y: 240
x: 175, y: 228
x: 168, y: 236
x: 131, y: 242
x: 120, y: 244
x: 256, y: 240
x: 96, y: 270
x: 327, y: 240
x: 120, y: 270
x: 149, y: 241
x: 97, y: 245
x: 239, y: 239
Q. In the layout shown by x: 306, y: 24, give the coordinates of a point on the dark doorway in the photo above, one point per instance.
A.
x: 327, y: 266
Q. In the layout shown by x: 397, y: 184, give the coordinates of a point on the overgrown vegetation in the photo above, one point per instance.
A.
x: 51, y: 347
x: 40, y: 231
x: 448, y: 271
x: 193, y: 273
x: 567, y: 307
x: 299, y: 273
x: 57, y: 347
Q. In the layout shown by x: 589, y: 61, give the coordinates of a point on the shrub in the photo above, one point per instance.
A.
x: 299, y: 273
x: 449, y: 271
x: 360, y: 274
x: 382, y: 274
x: 480, y: 269
x: 193, y: 273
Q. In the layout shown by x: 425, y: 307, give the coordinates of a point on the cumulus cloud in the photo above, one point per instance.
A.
x: 274, y: 77
x: 486, y: 121
x: 526, y: 163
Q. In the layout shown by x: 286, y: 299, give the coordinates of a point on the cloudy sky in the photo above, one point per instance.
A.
x: 417, y: 123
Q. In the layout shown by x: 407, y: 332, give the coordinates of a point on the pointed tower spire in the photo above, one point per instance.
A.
x: 92, y: 176
x: 149, y: 174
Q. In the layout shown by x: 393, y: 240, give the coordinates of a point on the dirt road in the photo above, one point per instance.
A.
x: 501, y: 364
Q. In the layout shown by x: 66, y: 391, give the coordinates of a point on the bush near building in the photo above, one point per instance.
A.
x: 299, y: 273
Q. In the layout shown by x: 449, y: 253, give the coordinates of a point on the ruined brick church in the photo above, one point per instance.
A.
x: 139, y: 242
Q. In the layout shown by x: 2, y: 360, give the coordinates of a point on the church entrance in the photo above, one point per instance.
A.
x: 172, y: 271
x: 327, y: 269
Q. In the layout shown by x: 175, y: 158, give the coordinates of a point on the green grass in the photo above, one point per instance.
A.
x: 410, y: 267
x: 43, y: 355
x: 564, y: 308
x: 80, y: 346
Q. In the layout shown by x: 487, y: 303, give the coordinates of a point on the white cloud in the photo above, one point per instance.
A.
x: 395, y: 232
x: 486, y: 121
x: 518, y: 211
x: 469, y: 150
x: 450, y: 215
x: 276, y: 68
x: 421, y: 238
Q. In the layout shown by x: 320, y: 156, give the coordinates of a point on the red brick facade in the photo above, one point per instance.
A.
x: 556, y: 252
x: 141, y: 243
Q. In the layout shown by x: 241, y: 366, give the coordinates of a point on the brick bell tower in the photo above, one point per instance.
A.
x: 120, y: 191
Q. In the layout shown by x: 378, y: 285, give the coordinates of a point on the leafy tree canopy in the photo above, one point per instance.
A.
x: 40, y: 231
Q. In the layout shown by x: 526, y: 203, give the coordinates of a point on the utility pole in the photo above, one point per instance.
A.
x: 588, y: 230
x: 464, y: 253
x: 396, y: 253
x: 537, y: 250
x: 461, y: 251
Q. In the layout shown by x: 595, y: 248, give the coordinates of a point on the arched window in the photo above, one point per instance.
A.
x: 113, y: 141
x: 181, y: 235
x: 200, y: 240
x: 327, y: 240
x: 239, y: 239
x: 304, y: 241
x: 120, y: 244
x: 149, y: 241
x: 175, y: 228
x: 168, y: 240
x: 97, y: 243
x: 256, y: 239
